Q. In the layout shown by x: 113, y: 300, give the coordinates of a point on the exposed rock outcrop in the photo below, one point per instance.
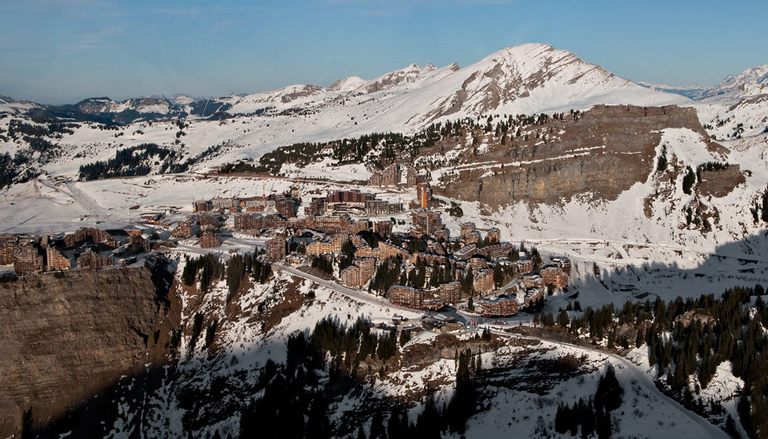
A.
x: 68, y: 336
x: 599, y: 155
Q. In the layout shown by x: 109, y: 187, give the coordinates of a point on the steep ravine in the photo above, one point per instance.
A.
x: 67, y: 336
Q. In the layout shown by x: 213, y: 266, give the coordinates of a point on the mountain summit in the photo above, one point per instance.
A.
x: 751, y: 82
x: 523, y: 79
x: 528, y: 78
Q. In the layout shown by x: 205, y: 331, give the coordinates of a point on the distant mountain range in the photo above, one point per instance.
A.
x: 522, y: 79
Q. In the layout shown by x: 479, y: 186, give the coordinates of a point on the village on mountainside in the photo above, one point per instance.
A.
x: 348, y: 236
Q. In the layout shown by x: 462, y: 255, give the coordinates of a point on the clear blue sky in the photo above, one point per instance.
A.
x: 57, y: 51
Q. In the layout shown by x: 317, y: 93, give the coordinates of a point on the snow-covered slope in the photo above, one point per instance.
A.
x: 522, y: 79
x: 8, y: 105
x: 694, y: 92
x: 738, y: 106
x: 751, y: 82
x: 531, y: 78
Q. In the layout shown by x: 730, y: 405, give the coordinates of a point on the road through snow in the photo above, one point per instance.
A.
x: 623, y: 363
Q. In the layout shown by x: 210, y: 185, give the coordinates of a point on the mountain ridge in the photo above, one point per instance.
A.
x: 509, y: 74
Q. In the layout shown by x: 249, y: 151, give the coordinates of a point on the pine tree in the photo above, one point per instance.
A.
x: 609, y: 392
x: 561, y: 425
x: 377, y: 427
x: 603, y: 426
x: 318, y: 426
x: 764, y: 210
x: 688, y: 180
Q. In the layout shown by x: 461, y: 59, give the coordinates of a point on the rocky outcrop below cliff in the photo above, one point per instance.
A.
x: 67, y: 336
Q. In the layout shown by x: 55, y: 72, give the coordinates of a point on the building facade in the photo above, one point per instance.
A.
x: 276, y: 248
x: 405, y: 296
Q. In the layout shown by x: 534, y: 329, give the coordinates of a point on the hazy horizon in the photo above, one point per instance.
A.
x: 62, y: 51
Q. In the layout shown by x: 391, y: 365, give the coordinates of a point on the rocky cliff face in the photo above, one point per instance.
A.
x: 599, y: 155
x: 68, y: 336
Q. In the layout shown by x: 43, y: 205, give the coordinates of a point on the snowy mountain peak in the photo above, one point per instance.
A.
x: 406, y: 75
x: 535, y: 77
x: 347, y: 84
x: 527, y: 78
x: 751, y: 82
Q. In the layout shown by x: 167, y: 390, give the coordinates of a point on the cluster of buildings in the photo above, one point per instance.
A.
x: 351, y: 202
x: 476, y: 270
x: 286, y: 204
x: 499, y: 278
x: 86, y: 248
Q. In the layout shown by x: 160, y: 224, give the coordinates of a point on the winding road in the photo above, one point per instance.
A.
x: 624, y: 364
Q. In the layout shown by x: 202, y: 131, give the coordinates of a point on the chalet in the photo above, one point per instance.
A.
x: 276, y: 248
x: 554, y: 275
x: 498, y: 307
x: 209, y: 240
x: 493, y: 236
x: 332, y: 246
x: 450, y: 292
x: 91, y: 260
x: 483, y: 282
x: 406, y: 296
x: 54, y: 260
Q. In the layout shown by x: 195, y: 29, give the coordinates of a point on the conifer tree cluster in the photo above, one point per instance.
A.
x: 759, y: 210
x: 133, y: 161
x: 689, y: 179
x: 702, y: 333
x: 294, y: 401
x: 349, y: 346
x: 323, y: 264
x: 212, y: 270
x: 388, y: 273
x: 381, y: 149
x: 592, y: 417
